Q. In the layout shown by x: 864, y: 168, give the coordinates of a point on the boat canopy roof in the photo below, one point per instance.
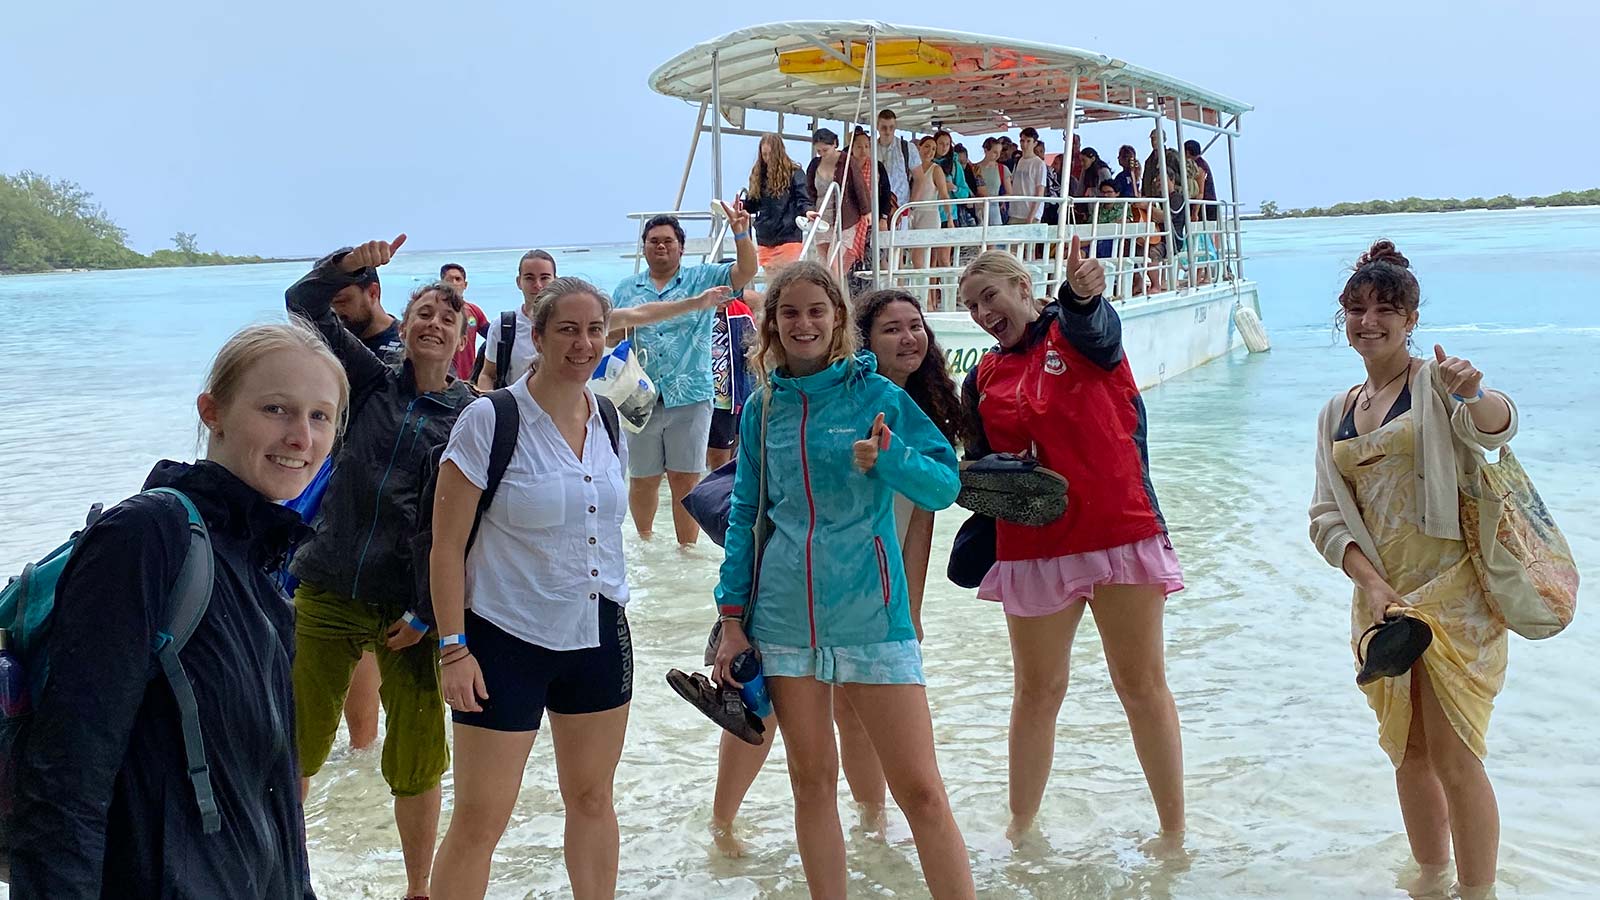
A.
x: 969, y: 83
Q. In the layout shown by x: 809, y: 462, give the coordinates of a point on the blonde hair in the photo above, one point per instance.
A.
x: 767, y: 355
x: 1000, y: 264
x: 252, y: 344
x: 772, y: 181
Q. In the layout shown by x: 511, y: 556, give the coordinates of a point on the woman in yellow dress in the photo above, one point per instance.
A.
x: 1386, y: 511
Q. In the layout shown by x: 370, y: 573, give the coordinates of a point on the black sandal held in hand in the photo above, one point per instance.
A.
x: 1014, y: 489
x: 1396, y: 645
x: 723, y: 706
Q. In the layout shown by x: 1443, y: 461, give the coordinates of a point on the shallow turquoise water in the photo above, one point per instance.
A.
x: 1289, y: 794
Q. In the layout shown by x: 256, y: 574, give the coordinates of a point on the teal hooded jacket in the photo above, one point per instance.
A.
x: 831, y: 574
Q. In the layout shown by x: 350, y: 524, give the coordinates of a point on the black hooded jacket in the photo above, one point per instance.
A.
x: 775, y: 214
x: 364, y: 527
x: 104, y: 804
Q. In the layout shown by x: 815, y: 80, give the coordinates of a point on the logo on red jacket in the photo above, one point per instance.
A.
x: 1053, y: 363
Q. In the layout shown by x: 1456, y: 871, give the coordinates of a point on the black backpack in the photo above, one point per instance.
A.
x: 505, y: 339
x: 507, y: 422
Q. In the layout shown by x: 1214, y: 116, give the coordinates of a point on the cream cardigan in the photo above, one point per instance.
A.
x: 1448, y: 444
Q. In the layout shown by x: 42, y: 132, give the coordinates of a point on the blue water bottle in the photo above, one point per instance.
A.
x: 14, y: 681
x: 746, y: 670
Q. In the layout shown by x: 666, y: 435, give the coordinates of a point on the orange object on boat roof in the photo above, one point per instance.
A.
x: 899, y: 60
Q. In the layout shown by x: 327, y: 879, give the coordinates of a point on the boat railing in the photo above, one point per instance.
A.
x: 821, y: 243
x: 928, y: 262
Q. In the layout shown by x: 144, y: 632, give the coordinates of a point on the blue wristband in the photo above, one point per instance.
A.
x: 451, y: 639
x: 411, y: 619
x: 1469, y: 400
x: 741, y: 235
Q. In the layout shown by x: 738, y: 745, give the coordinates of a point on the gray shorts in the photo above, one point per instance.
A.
x: 674, y: 440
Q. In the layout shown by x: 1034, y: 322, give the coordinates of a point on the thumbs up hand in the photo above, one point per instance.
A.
x: 1085, y: 277
x: 1458, y: 375
x: 867, y: 449
x: 372, y: 253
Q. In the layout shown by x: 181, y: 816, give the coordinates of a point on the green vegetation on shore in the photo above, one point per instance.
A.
x: 1591, y: 197
x: 48, y: 224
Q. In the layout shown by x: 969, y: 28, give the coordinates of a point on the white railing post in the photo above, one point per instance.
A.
x: 1188, y: 207
x: 694, y: 143
x: 1238, y: 226
x: 1064, y: 209
x: 1169, y: 237
x: 872, y: 167
x: 716, y: 124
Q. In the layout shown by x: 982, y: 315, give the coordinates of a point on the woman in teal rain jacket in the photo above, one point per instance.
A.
x: 830, y: 603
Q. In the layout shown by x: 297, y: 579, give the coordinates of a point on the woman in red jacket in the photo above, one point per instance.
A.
x: 1060, y: 389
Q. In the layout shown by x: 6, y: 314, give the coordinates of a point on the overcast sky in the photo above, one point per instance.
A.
x: 292, y: 127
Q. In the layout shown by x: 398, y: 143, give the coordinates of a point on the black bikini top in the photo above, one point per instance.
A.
x: 1401, y: 406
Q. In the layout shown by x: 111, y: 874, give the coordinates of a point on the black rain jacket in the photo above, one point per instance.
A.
x: 104, y: 804
x: 364, y: 527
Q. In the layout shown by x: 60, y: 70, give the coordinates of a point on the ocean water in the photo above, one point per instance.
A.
x: 1288, y: 792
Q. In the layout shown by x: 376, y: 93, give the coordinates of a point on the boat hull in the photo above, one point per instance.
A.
x: 1163, y: 337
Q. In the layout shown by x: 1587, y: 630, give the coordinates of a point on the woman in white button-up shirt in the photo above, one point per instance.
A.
x: 532, y: 616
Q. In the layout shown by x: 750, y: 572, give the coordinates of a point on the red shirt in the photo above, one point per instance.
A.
x: 467, y: 356
x: 1066, y: 395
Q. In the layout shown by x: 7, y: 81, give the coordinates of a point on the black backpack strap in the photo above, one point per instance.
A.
x: 477, y: 362
x: 186, y: 606
x: 506, y: 423
x: 504, y: 341
x: 608, y: 418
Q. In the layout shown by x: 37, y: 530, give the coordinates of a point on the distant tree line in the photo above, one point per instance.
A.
x: 1591, y: 197
x: 48, y: 223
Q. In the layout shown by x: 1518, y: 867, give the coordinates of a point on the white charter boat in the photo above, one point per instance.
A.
x: 1178, y: 311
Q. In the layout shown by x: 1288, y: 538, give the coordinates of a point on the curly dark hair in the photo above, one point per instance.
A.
x: 930, y: 385
x: 1382, y: 274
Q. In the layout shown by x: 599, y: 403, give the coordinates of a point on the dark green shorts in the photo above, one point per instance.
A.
x: 330, y: 633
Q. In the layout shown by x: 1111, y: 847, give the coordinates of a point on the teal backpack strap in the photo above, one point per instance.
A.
x: 186, y: 606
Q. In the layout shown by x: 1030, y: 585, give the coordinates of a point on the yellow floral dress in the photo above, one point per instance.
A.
x: 1467, y: 659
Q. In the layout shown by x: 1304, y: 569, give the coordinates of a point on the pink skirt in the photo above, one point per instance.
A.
x: 1040, y: 587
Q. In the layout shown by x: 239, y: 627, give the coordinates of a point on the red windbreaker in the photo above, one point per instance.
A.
x: 1065, y: 395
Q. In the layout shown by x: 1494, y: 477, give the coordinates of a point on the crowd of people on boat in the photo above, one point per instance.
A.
x: 919, y: 172
x: 470, y: 538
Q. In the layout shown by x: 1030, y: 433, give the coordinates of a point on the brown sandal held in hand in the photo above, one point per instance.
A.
x: 722, y: 706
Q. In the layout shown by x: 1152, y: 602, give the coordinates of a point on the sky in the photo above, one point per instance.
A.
x: 292, y: 127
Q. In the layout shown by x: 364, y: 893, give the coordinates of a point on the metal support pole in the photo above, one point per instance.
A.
x: 1161, y: 190
x: 1188, y: 204
x: 694, y: 143
x: 872, y: 166
x: 716, y: 125
x: 1233, y: 195
x: 1064, y: 209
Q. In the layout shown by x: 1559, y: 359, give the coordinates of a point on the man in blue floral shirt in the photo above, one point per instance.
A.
x: 676, y: 354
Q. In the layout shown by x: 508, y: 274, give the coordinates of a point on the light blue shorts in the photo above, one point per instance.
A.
x: 891, y: 662
x: 674, y: 440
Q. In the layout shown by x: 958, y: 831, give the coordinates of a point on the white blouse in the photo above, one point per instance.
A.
x: 550, y: 545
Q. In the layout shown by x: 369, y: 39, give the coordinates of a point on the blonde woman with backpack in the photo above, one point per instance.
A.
x: 108, y: 800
